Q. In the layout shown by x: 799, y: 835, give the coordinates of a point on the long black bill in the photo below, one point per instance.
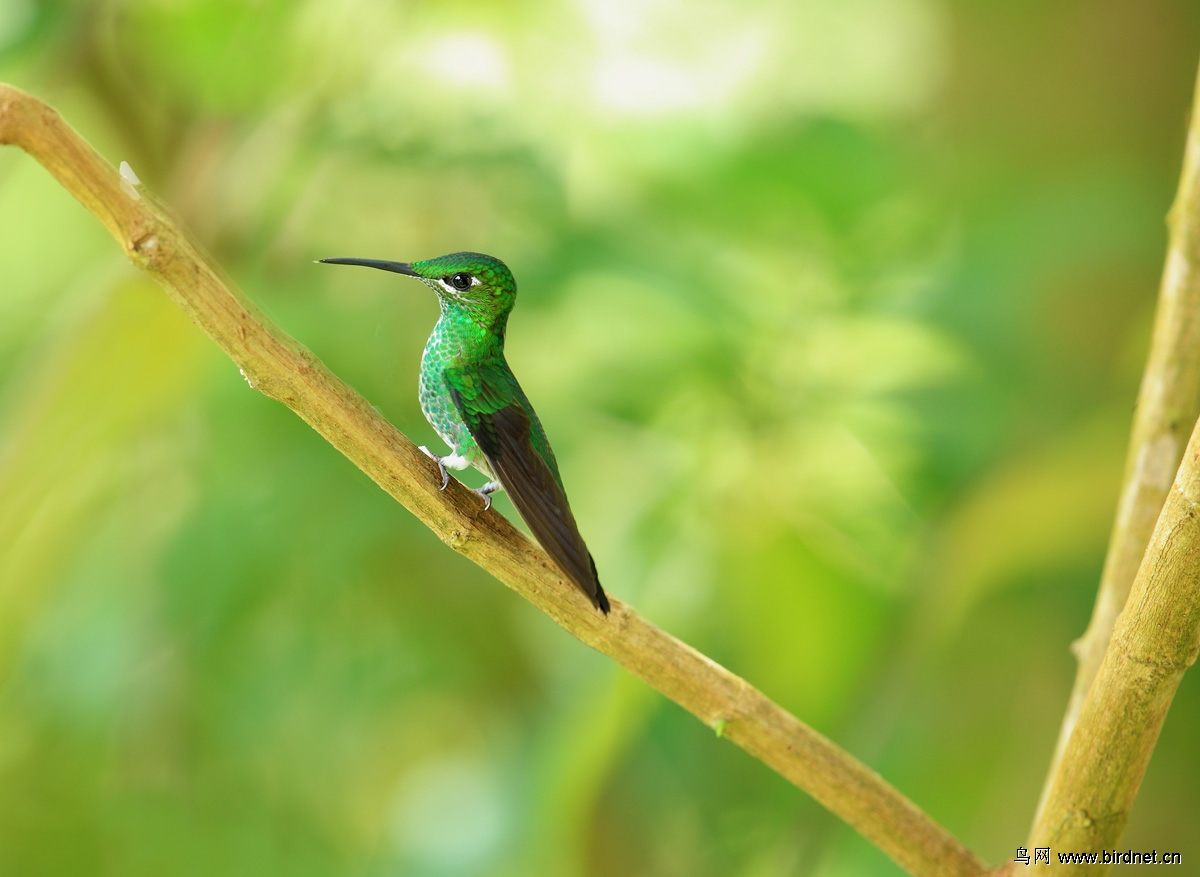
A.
x: 398, y: 267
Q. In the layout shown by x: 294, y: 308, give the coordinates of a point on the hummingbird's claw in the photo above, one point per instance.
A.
x: 485, y: 493
x: 440, y: 464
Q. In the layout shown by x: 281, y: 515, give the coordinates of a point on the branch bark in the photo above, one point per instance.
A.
x: 283, y: 369
x: 1156, y: 638
x: 1167, y: 408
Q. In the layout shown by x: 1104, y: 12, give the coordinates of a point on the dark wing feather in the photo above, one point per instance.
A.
x: 501, y: 426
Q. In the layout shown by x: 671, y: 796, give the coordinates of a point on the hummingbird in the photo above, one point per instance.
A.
x: 473, y: 401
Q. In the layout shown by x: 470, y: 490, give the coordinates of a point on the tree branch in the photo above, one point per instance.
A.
x: 283, y: 369
x: 1156, y: 638
x: 1167, y: 407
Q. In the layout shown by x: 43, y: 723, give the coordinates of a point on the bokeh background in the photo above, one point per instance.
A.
x: 835, y: 312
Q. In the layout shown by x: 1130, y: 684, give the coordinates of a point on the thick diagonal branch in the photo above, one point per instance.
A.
x: 1167, y: 408
x: 280, y: 367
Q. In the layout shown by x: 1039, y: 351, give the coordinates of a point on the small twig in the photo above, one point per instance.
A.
x: 281, y: 368
x: 1168, y: 405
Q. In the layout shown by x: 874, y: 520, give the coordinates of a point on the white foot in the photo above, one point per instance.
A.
x: 450, y: 461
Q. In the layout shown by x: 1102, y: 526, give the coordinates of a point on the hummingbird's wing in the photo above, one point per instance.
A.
x: 496, y: 414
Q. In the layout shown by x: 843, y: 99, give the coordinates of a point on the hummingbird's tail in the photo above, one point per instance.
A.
x: 600, y: 599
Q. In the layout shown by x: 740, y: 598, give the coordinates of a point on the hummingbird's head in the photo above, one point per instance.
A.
x: 480, y: 286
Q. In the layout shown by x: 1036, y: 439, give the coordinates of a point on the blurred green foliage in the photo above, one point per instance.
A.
x: 834, y: 312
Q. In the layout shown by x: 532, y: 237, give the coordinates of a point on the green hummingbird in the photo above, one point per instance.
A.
x: 472, y: 399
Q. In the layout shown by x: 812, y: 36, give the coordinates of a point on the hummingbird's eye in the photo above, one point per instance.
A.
x: 461, y: 280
